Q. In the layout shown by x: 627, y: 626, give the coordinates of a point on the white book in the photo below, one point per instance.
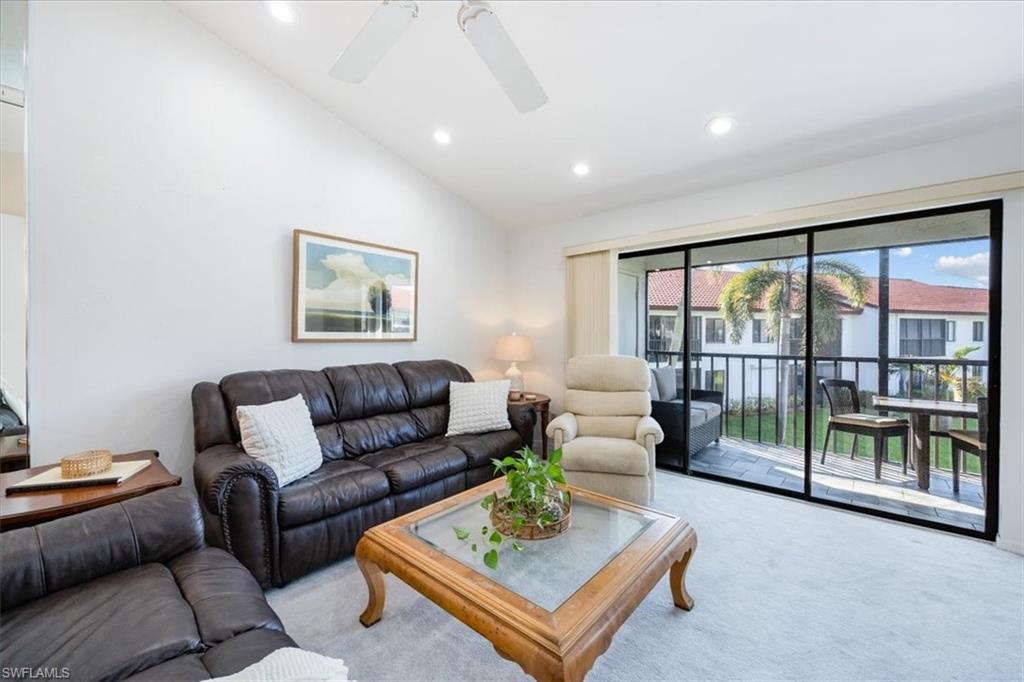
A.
x: 118, y: 473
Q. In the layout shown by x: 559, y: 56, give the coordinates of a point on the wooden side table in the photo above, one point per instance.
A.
x: 28, y: 509
x: 541, y: 405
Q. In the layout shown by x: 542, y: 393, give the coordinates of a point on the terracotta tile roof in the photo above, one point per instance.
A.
x: 905, y: 295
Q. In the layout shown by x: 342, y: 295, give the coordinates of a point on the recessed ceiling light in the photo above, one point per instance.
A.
x: 442, y: 136
x: 580, y: 168
x: 282, y: 11
x: 720, y: 125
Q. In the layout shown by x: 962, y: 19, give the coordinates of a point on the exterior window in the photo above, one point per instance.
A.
x: 979, y: 331
x: 714, y: 330
x: 921, y: 338
x: 950, y: 330
x: 714, y: 381
x: 695, y: 345
x: 761, y: 331
x: 659, y: 332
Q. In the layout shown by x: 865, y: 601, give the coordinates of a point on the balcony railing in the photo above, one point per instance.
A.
x: 931, y: 378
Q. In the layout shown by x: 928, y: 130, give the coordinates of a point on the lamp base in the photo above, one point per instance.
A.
x: 515, y: 377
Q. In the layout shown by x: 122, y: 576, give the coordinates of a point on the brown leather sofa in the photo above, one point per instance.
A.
x: 381, y: 429
x: 130, y: 591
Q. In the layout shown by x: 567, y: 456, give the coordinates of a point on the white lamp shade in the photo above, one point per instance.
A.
x: 513, y: 348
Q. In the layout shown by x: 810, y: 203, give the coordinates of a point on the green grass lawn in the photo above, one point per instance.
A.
x: 842, y: 442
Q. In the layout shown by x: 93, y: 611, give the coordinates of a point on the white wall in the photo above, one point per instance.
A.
x: 166, y: 174
x: 13, y: 298
x: 538, y: 302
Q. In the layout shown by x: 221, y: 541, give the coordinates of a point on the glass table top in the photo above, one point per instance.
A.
x: 546, y: 572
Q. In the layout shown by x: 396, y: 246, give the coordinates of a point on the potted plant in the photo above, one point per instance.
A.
x: 533, y: 507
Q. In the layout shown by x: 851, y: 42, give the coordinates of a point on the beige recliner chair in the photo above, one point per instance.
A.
x: 606, y: 433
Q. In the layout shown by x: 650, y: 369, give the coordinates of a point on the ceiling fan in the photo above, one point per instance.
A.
x: 476, y: 19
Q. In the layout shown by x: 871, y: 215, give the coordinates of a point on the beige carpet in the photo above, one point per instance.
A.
x: 783, y: 590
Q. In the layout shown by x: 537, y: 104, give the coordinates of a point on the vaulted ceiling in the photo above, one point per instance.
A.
x: 632, y: 84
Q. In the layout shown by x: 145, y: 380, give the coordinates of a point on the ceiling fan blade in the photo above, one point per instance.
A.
x: 495, y: 47
x: 378, y: 35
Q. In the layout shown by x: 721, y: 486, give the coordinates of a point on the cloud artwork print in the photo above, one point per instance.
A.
x: 346, y: 290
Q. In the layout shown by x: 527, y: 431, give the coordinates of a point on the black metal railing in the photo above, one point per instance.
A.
x: 918, y: 378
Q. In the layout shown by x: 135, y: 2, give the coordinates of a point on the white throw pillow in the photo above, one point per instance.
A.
x: 478, y: 407
x: 281, y: 436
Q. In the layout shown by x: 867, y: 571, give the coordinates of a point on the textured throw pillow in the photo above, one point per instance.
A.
x: 478, y: 407
x: 665, y: 377
x: 281, y: 436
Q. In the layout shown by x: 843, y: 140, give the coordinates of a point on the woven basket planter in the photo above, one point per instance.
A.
x: 502, y: 522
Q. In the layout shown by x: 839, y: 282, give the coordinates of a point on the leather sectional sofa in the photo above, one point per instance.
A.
x: 129, y: 591
x: 381, y: 429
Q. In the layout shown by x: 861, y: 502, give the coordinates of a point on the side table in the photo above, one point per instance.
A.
x: 541, y: 405
x: 28, y: 509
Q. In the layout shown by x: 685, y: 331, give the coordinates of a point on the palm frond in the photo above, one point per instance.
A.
x: 741, y: 293
x: 847, y: 276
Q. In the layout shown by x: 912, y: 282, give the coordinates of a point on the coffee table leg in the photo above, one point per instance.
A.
x: 374, y: 585
x: 677, y: 575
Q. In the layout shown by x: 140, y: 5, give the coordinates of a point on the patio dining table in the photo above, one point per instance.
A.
x: 920, y: 412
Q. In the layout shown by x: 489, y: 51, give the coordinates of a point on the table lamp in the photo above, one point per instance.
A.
x: 514, y: 349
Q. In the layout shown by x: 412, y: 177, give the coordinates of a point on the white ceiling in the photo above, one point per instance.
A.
x: 631, y: 85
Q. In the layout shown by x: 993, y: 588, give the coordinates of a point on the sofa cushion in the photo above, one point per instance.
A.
x: 410, y: 466
x: 382, y: 432
x: 337, y: 486
x: 605, y: 455
x: 666, y: 381
x: 702, y: 412
x: 108, y: 628
x: 481, y: 448
x: 259, y: 388
x: 478, y: 407
x: 367, y: 390
x: 427, y: 380
x: 225, y: 598
x: 240, y: 652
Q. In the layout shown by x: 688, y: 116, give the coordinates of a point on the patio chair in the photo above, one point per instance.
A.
x: 974, y: 442
x: 845, y: 417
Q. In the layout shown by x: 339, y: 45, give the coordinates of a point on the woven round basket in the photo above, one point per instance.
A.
x: 530, y: 531
x: 85, y: 463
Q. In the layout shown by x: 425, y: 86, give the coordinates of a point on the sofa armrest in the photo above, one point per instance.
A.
x: 669, y: 416
x: 562, y: 429
x: 216, y: 467
x: 716, y: 397
x: 241, y: 493
x: 523, y: 420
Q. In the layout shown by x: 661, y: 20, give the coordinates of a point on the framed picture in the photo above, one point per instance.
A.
x: 346, y: 290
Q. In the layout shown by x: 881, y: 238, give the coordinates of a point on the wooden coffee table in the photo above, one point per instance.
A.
x: 552, y: 608
x: 29, y: 508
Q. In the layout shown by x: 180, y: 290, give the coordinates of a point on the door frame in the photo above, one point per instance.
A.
x: 995, y: 212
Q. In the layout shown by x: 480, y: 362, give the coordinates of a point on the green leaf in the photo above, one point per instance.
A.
x: 555, y: 457
x: 483, y: 531
x: 460, y: 533
x: 518, y: 522
x: 491, y: 559
x: 517, y: 546
x: 554, y: 471
x: 495, y: 538
x: 488, y: 501
x: 473, y: 547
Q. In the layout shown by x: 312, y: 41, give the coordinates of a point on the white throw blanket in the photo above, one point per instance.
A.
x: 291, y: 665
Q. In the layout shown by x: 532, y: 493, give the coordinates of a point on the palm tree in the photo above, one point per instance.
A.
x: 951, y: 376
x: 780, y: 288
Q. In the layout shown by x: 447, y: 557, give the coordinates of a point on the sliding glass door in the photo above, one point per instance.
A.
x: 853, y: 364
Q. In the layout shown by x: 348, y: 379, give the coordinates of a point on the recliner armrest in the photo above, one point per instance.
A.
x: 563, y: 429
x: 647, y: 426
x: 215, y: 467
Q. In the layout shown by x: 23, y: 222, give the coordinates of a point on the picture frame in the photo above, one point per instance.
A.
x: 345, y: 290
